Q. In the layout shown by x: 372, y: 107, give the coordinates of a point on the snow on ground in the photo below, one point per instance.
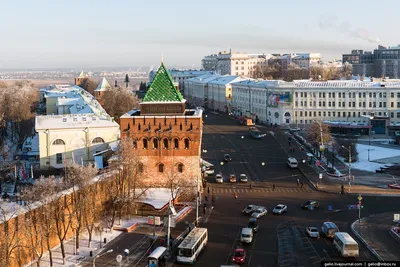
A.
x: 375, y: 153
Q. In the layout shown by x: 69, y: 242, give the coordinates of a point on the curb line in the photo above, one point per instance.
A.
x: 365, y: 242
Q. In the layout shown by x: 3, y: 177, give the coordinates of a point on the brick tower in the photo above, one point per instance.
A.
x: 81, y: 79
x: 166, y: 136
x: 100, y: 90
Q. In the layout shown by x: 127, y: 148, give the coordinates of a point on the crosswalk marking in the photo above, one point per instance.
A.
x: 260, y: 190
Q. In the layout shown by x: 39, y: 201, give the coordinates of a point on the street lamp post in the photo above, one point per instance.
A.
x: 349, y: 150
x: 98, y: 256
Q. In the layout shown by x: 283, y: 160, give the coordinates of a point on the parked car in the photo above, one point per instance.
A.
x: 227, y: 158
x: 219, y: 178
x: 250, y: 209
x: 261, y: 211
x: 232, y: 178
x: 243, y: 178
x: 312, y: 232
x: 279, y: 209
x: 239, y: 256
x: 253, y: 224
x: 310, y: 203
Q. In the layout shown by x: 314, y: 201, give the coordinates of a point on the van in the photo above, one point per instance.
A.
x: 247, y: 235
x: 329, y: 229
x: 292, y: 163
x: 345, y: 245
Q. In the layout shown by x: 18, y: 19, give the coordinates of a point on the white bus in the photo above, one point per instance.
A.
x: 345, y: 245
x: 192, y: 245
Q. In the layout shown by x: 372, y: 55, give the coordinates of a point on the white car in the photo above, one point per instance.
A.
x: 312, y: 232
x: 259, y: 212
x: 250, y: 209
x: 279, y: 209
x: 219, y: 179
x: 243, y: 178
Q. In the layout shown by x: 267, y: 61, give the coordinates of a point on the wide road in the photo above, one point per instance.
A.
x: 265, y: 162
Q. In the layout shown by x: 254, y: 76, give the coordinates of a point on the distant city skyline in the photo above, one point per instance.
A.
x: 94, y: 34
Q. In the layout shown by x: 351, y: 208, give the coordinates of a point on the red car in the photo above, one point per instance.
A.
x: 239, y: 256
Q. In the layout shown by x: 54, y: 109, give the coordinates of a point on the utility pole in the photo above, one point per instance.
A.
x: 197, y: 203
x: 169, y: 225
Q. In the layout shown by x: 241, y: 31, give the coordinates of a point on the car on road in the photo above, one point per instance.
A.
x: 253, y: 224
x: 239, y: 256
x: 279, y: 209
x: 246, y: 235
x: 250, y: 209
x: 329, y: 229
x: 227, y: 158
x: 232, y: 178
x: 261, y: 211
x: 219, y: 178
x: 243, y: 178
x: 309, y: 203
x: 312, y: 232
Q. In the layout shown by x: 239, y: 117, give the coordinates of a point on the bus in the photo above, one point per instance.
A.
x: 207, y: 167
x: 345, y: 245
x: 157, y: 257
x: 192, y: 245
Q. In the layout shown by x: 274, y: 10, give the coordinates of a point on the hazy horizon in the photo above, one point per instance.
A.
x: 86, y: 35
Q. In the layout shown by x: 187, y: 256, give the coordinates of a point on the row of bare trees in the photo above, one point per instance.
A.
x: 56, y: 208
x: 274, y: 71
x: 18, y: 104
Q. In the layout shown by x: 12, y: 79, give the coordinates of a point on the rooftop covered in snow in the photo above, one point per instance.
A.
x: 70, y: 121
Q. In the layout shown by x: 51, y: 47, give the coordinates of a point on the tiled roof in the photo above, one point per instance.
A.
x: 162, y: 88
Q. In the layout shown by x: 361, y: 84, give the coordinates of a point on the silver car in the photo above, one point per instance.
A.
x: 312, y: 232
x: 250, y: 209
x: 279, y: 209
x: 259, y: 212
x: 219, y: 179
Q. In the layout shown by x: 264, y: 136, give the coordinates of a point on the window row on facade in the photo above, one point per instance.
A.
x: 97, y: 140
x: 148, y: 127
x: 339, y: 114
x: 343, y: 104
x: 164, y: 143
x: 344, y: 94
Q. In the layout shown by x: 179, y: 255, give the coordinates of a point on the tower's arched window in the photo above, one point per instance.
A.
x: 180, y: 167
x: 134, y: 144
x: 145, y: 144
x: 161, y: 167
x: 155, y: 143
x: 98, y: 140
x: 138, y: 127
x: 180, y: 127
x: 165, y: 142
x: 186, y: 143
x: 176, y: 143
x: 58, y: 142
x: 191, y: 126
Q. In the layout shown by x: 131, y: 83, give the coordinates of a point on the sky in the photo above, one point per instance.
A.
x: 85, y: 34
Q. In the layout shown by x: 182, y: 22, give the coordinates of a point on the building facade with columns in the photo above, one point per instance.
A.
x: 166, y: 135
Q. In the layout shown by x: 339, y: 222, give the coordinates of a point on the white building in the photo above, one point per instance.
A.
x: 349, y: 104
x: 75, y: 128
x: 180, y: 76
x: 228, y: 63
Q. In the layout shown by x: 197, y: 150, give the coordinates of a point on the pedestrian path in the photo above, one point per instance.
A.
x: 217, y: 190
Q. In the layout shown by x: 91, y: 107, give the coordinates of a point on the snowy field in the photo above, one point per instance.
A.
x: 376, y: 153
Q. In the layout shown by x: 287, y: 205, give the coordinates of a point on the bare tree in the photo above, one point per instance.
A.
x: 268, y: 72
x: 78, y: 178
x: 62, y: 215
x: 317, y: 72
x: 9, y: 236
x: 295, y: 73
x: 89, y: 85
x: 90, y: 210
x: 313, y: 134
x: 43, y: 192
x: 118, y: 101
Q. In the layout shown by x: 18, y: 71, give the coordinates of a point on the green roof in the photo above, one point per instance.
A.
x: 162, y: 89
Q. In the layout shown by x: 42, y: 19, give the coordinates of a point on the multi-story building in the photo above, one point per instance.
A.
x: 75, y: 128
x: 382, y: 62
x: 349, y: 105
x: 301, y: 60
x: 228, y: 63
x: 166, y: 136
x: 211, y: 91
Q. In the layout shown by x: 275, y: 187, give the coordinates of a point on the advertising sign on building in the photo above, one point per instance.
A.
x: 275, y: 99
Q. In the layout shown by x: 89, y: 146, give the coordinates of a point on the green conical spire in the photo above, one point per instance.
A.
x: 162, y: 89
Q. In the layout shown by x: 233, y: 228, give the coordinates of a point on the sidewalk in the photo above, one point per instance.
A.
x: 133, y: 225
x: 374, y: 233
x: 327, y: 183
